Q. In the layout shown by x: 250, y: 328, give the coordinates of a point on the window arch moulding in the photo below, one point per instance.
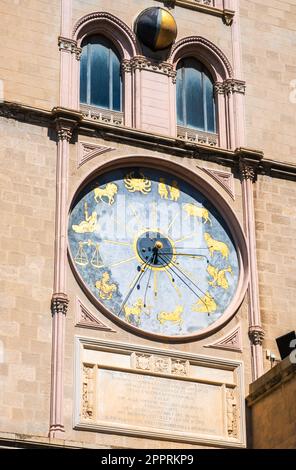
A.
x: 225, y: 87
x: 124, y: 41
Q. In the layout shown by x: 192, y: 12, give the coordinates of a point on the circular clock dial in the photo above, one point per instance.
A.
x: 154, y: 251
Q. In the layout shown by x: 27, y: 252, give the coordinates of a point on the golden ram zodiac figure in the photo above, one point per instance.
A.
x: 195, y: 211
x: 134, y: 310
x: 205, y: 304
x: 108, y: 192
x: 219, y: 277
x: 142, y: 184
x: 174, y: 316
x: 216, y: 245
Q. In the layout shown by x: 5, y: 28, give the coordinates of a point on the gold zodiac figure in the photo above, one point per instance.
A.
x: 174, y: 191
x: 174, y: 316
x: 132, y: 184
x: 108, y: 192
x: 216, y: 245
x: 195, y: 211
x: 162, y: 189
x: 87, y: 225
x: 81, y: 257
x: 134, y: 310
x: 205, y: 304
x: 105, y: 288
x: 219, y: 277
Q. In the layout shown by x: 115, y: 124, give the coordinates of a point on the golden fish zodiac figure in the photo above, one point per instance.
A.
x: 89, y: 224
x: 135, y: 311
x: 219, y: 277
x: 200, y: 212
x: 108, y: 192
x: 133, y: 184
x: 216, y: 245
x: 105, y: 288
x: 174, y: 316
x: 205, y: 304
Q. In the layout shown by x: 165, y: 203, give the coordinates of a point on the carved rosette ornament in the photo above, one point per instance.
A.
x: 59, y: 304
x: 159, y: 364
x: 256, y: 335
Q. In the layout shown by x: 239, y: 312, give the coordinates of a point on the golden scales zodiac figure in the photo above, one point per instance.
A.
x: 82, y: 259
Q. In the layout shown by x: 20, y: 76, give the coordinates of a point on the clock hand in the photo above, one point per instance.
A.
x: 191, y: 255
x: 142, y: 272
x: 187, y: 285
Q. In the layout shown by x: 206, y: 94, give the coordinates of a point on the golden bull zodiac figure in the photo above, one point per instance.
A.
x: 195, y: 211
x: 205, y: 304
x: 89, y: 224
x: 174, y: 316
x: 216, y: 245
x: 133, y: 184
x: 105, y: 288
x: 108, y: 192
x: 219, y: 277
x: 163, y: 190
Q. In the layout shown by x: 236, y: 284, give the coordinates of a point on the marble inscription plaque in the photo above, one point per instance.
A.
x: 159, y: 403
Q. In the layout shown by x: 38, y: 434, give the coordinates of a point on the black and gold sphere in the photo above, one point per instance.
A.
x: 156, y: 28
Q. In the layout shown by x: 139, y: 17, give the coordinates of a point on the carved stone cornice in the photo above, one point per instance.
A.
x: 256, y: 335
x: 69, y: 45
x: 59, y: 304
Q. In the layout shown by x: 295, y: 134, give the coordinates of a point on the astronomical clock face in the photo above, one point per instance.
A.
x: 154, y: 251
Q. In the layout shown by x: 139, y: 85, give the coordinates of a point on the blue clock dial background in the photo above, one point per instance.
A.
x: 192, y: 285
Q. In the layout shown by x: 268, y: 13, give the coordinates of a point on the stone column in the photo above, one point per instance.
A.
x: 59, y: 302
x: 256, y: 334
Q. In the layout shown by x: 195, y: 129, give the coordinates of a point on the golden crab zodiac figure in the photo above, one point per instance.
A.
x: 141, y: 184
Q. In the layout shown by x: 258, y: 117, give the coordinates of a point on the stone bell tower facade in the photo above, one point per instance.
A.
x: 131, y: 131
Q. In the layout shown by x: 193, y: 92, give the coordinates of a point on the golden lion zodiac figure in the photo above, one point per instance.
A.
x: 205, y: 304
x: 134, y: 310
x: 219, y: 277
x: 174, y: 316
x: 196, y: 211
x: 108, y: 192
x: 105, y: 288
x: 132, y: 184
x: 216, y: 245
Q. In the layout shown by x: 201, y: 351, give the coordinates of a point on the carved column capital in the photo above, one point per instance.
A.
x: 219, y: 88
x: 59, y: 304
x: 69, y: 45
x: 64, y: 130
x: 232, y: 85
x: 256, y: 335
x: 126, y: 66
x: 142, y: 63
x: 247, y: 170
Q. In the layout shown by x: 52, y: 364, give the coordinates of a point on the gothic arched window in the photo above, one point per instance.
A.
x: 195, y: 96
x: 100, y: 77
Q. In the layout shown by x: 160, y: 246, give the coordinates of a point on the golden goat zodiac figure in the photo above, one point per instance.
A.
x: 219, y: 277
x: 89, y: 224
x: 108, y: 192
x: 195, y: 211
x: 133, y: 184
x: 174, y: 316
x: 216, y: 245
x: 205, y: 304
x: 105, y: 288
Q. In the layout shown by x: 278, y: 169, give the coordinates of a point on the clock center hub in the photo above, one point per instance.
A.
x: 155, y: 249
